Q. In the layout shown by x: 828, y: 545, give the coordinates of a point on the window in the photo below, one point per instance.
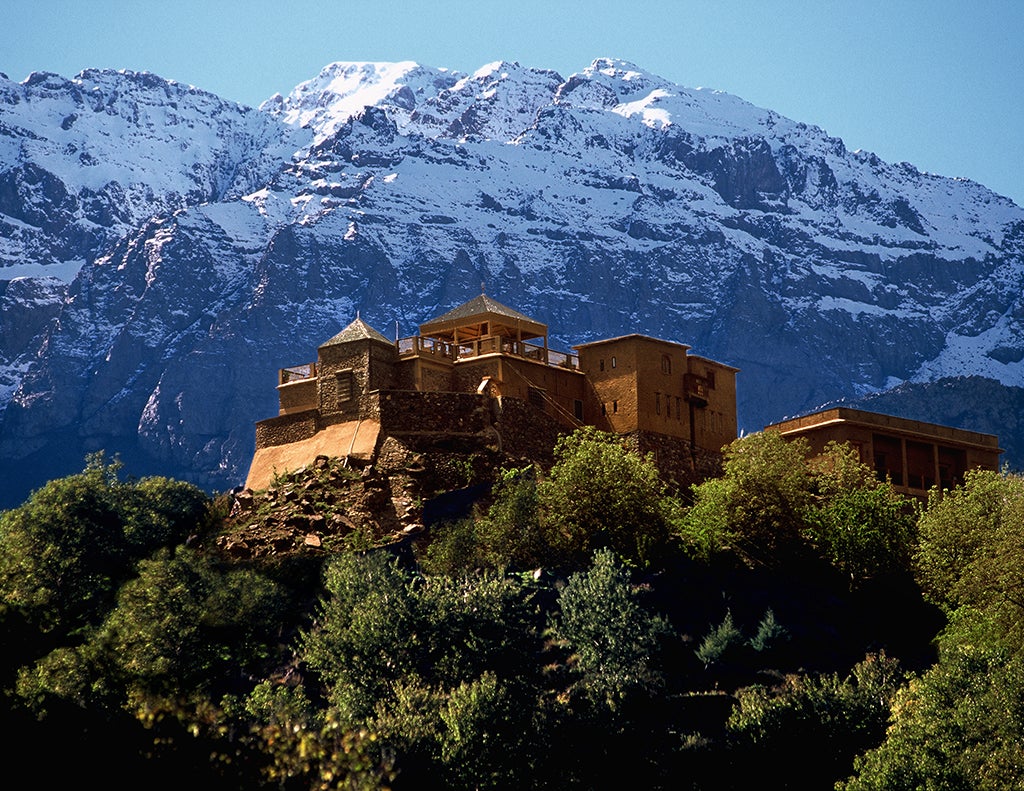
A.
x: 601, y: 364
x: 615, y: 406
x: 604, y: 409
x: 679, y: 409
x: 666, y: 364
x: 657, y: 403
x: 613, y: 361
x: 535, y: 396
x: 345, y: 384
x: 577, y: 409
x: 709, y: 374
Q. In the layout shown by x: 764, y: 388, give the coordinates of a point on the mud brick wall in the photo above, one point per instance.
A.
x: 297, y: 396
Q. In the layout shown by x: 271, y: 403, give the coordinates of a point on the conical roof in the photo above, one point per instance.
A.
x: 358, y: 330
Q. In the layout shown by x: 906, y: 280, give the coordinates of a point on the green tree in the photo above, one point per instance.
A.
x: 509, y: 536
x: 300, y: 745
x: 180, y: 633
x: 862, y: 526
x: 961, y: 724
x: 815, y: 725
x: 612, y: 640
x: 598, y: 495
x: 443, y: 670
x: 66, y: 551
x: 758, y: 506
x: 63, y: 553
x: 366, y: 635
x: 971, y: 548
x: 960, y: 727
x: 720, y: 641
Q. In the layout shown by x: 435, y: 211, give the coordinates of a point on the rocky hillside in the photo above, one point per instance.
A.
x: 604, y: 202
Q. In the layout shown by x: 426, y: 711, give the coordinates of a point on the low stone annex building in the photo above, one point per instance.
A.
x: 913, y: 454
x: 483, y: 375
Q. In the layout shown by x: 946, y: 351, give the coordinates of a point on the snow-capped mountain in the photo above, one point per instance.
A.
x: 608, y: 202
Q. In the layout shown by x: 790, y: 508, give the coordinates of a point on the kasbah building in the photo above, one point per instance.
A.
x: 483, y: 376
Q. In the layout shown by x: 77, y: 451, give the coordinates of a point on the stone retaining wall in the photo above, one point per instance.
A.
x: 447, y: 413
x: 680, y: 463
x: 527, y: 432
x: 286, y: 428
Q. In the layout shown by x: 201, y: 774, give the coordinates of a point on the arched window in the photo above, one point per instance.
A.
x: 666, y: 364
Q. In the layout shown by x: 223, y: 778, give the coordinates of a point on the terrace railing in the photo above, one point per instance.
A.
x: 432, y: 347
x: 297, y: 373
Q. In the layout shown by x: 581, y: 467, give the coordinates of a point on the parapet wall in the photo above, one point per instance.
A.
x: 284, y: 429
x: 513, y: 427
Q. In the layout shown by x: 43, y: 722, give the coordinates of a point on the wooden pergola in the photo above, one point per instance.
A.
x: 483, y: 317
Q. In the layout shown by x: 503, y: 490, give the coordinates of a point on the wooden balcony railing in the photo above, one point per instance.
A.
x: 430, y: 347
x: 297, y: 373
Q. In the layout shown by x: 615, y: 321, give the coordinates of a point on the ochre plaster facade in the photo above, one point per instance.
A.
x: 913, y: 454
x: 484, y: 370
x: 483, y: 373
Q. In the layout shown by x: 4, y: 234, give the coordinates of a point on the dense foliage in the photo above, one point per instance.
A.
x: 584, y: 624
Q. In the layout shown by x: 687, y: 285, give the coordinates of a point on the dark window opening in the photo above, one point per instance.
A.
x: 346, y: 385
x: 601, y: 365
x: 710, y: 376
x: 666, y: 364
x: 535, y: 396
x: 888, y: 456
x: 577, y: 409
x: 615, y: 406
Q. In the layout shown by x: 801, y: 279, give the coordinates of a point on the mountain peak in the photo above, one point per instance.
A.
x: 608, y: 203
x: 344, y: 88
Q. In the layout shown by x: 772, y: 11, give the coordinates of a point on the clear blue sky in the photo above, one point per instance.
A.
x: 937, y: 83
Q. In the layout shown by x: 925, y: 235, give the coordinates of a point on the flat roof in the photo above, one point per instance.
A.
x: 675, y: 344
x: 635, y: 335
x: 878, y: 420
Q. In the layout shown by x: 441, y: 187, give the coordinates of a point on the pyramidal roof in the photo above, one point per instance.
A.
x: 478, y: 305
x: 358, y: 330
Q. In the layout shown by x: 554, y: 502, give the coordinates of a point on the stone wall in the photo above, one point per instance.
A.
x: 478, y: 424
x: 423, y: 373
x: 527, y: 433
x: 368, y: 365
x: 468, y: 374
x: 448, y: 413
x: 286, y: 428
x: 681, y: 464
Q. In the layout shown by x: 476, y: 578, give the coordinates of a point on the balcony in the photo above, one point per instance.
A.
x: 696, y: 389
x: 296, y: 373
x: 418, y: 346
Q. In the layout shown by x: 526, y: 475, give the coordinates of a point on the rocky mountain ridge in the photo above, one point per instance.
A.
x: 608, y: 202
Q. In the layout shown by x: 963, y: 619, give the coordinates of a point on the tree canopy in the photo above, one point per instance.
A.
x: 586, y: 623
